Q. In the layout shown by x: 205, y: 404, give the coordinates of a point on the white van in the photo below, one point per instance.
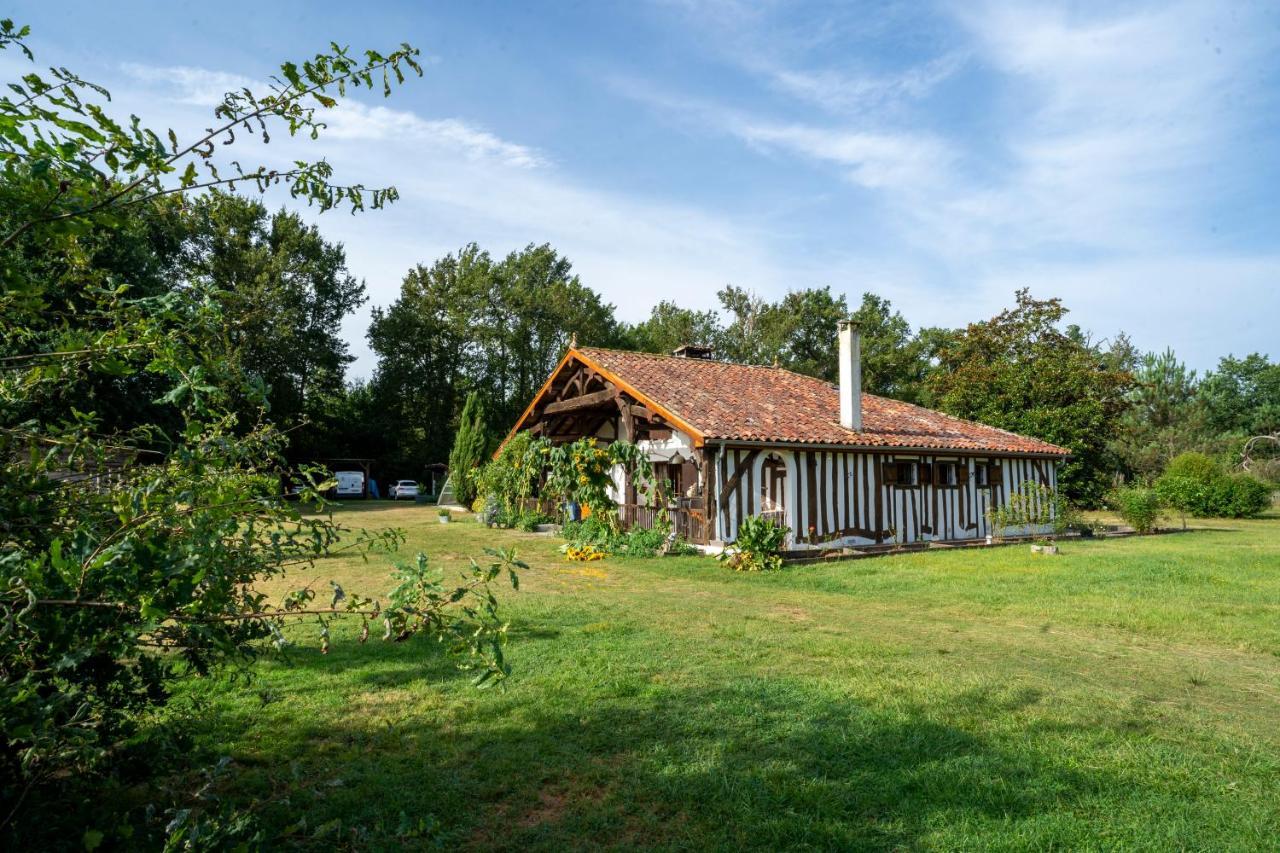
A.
x: 350, y: 484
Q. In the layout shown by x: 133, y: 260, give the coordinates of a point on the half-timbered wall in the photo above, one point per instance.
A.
x: 835, y: 497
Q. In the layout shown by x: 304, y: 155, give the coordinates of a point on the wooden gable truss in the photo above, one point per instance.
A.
x: 580, y: 397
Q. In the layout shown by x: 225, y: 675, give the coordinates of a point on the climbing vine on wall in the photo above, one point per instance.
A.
x: 581, y: 472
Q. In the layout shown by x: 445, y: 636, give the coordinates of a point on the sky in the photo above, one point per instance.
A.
x: 1122, y: 156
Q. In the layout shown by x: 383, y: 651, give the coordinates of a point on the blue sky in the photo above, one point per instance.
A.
x: 1121, y: 156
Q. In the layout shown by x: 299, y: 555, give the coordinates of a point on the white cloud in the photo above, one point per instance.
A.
x: 1102, y: 157
x: 197, y: 87
x: 1104, y: 130
x: 1114, y: 124
x: 884, y: 159
x: 842, y: 91
x: 876, y: 160
x: 350, y: 120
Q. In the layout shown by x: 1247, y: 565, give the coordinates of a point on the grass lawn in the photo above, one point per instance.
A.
x: 1125, y: 694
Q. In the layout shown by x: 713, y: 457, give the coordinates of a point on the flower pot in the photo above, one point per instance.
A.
x: 444, y: 519
x: 1044, y: 549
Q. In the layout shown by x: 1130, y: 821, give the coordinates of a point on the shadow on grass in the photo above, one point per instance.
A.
x: 303, y: 671
x: 761, y: 764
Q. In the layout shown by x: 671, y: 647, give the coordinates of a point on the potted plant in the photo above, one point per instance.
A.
x: 443, y: 515
x: 1044, y: 545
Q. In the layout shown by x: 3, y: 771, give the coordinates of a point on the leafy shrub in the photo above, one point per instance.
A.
x: 642, y: 542
x: 758, y: 546
x: 1196, y: 466
x: 1138, y: 505
x: 636, y: 542
x: 1246, y: 496
x: 1034, y: 504
x: 510, y: 478
x: 528, y: 520
x: 582, y: 473
x: 1196, y: 484
x: 134, y: 542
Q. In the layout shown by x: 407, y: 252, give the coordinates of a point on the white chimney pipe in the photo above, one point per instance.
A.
x: 850, y: 376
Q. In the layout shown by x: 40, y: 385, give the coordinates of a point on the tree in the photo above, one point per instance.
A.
x: 798, y: 333
x: 533, y: 306
x: 893, y: 359
x: 421, y: 344
x: 1020, y: 372
x: 1165, y: 416
x: 747, y: 337
x: 285, y: 290
x: 132, y: 553
x: 468, y: 323
x: 54, y: 304
x: 805, y: 328
x: 1242, y: 396
x: 468, y: 449
x: 669, y: 326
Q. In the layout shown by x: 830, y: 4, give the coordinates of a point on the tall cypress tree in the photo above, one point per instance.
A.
x: 468, y: 449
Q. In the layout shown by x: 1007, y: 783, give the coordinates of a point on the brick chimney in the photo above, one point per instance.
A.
x: 692, y: 351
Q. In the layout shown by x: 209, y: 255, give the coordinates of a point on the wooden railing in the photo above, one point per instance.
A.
x: 687, y: 519
x: 637, y: 515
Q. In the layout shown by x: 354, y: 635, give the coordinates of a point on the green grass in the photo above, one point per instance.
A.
x: 1125, y: 694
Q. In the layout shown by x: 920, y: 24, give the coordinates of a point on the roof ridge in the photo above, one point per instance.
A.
x: 681, y: 358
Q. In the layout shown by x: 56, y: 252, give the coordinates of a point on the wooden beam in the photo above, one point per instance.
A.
x: 586, y: 401
x: 646, y: 414
x: 709, y: 492
x: 626, y: 421
x: 731, y: 486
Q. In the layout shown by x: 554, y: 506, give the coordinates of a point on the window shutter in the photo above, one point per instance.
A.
x: 889, y: 472
x: 962, y: 473
x: 995, y: 475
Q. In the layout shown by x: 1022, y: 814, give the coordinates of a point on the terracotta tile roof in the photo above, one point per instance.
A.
x: 745, y: 402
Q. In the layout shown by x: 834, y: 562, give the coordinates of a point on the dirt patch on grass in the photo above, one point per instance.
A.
x: 560, y: 798
x: 790, y: 613
x: 550, y: 809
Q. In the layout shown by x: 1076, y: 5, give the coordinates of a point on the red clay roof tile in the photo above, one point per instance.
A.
x: 742, y: 402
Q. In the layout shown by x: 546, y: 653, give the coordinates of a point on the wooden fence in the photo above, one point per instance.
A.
x: 688, y: 519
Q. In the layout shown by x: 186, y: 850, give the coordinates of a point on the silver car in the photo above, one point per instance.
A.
x: 404, y: 489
